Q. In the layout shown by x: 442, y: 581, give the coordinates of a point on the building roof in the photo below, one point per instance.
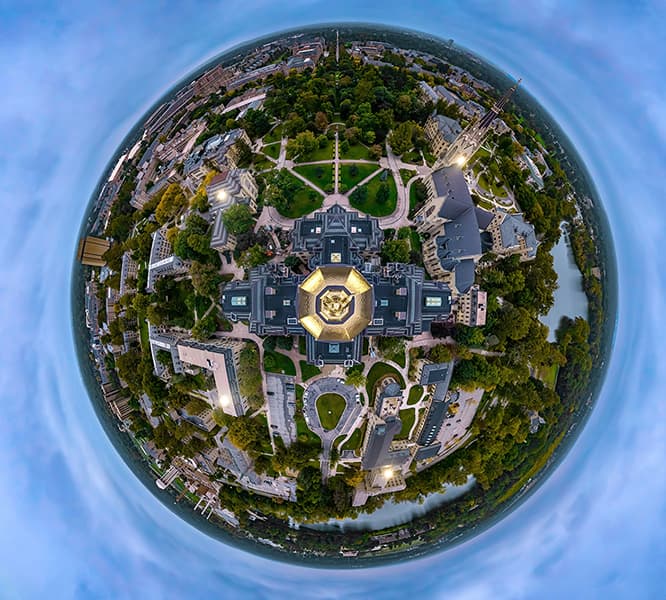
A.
x: 448, y: 128
x: 484, y: 217
x: 435, y: 373
x: 220, y: 361
x: 428, y: 451
x: 335, y: 303
x: 377, y: 451
x: 514, y: 227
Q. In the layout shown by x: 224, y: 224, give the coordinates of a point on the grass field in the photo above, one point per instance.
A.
x: 272, y: 150
x: 347, y: 177
x: 276, y: 362
x: 379, y: 371
x: 330, y: 408
x: 325, y: 153
x: 415, y: 394
x: 261, y: 163
x: 548, y: 375
x: 303, y: 432
x: 370, y: 205
x: 274, y: 135
x: 495, y: 189
x: 320, y: 175
x: 355, y: 152
x: 307, y: 370
x: 407, y: 417
x: 355, y: 440
x: 303, y: 202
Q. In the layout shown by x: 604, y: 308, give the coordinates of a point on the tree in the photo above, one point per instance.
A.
x: 395, y: 251
x: 441, y: 353
x: 382, y: 194
x: 205, y: 327
x: 401, y: 137
x: 244, y: 154
x: 375, y: 152
x: 355, y: 378
x: 253, y: 257
x: 238, y: 219
x: 206, y: 279
x: 173, y: 201
x: 321, y: 121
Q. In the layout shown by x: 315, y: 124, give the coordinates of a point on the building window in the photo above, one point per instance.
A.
x: 336, y: 257
x: 286, y: 302
x: 239, y: 301
x: 433, y: 301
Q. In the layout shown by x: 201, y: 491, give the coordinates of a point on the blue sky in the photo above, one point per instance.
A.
x: 75, y: 522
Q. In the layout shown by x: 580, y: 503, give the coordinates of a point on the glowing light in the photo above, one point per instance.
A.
x: 460, y: 161
x: 221, y: 195
x: 225, y: 401
x: 387, y: 472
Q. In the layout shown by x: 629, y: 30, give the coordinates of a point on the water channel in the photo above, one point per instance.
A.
x: 392, y: 513
x: 570, y: 299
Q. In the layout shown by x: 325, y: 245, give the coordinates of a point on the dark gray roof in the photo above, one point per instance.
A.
x: 427, y: 451
x: 433, y: 422
x: 460, y: 239
x: 336, y: 230
x: 514, y: 227
x: 377, y: 452
x: 333, y: 352
x: 449, y: 128
x: 437, y: 373
x: 484, y: 217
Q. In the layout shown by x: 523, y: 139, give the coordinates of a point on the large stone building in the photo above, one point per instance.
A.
x: 345, y: 297
x: 162, y: 260
x: 441, y: 132
x: 222, y: 359
x: 228, y: 188
x: 449, y: 222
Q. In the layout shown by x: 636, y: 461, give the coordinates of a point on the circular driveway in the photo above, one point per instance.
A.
x: 353, y: 407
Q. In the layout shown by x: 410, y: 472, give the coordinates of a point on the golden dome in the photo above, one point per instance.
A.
x: 335, y: 303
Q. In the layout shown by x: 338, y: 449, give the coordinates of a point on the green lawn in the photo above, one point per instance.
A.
x: 274, y: 135
x: 369, y: 204
x: 330, y: 408
x: 406, y: 175
x: 548, y: 375
x: 355, y: 440
x: 307, y: 370
x: 261, y: 163
x: 301, y: 344
x: 303, y: 432
x: 379, y: 371
x: 276, y: 362
x: 320, y: 175
x: 355, y: 152
x: 497, y: 190
x: 415, y: 394
x: 304, y: 201
x: 407, y: 417
x: 325, y: 153
x: 351, y: 174
x: 143, y: 331
x: 272, y: 150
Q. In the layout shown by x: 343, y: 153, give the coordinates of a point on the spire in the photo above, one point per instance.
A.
x: 501, y: 103
x: 469, y: 141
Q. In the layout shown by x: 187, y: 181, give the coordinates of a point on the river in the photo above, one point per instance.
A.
x: 392, y: 513
x: 570, y: 299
